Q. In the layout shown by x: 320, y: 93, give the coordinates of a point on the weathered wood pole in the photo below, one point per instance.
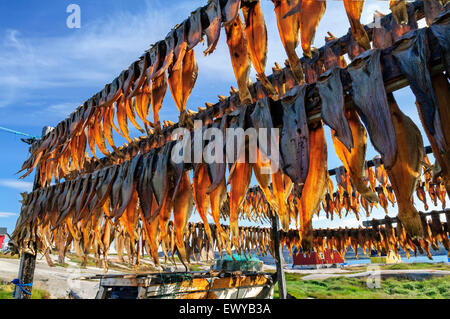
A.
x: 279, y: 260
x: 27, y: 261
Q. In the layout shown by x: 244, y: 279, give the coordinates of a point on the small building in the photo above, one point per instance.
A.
x: 2, y: 236
x: 390, y: 258
x: 316, y: 260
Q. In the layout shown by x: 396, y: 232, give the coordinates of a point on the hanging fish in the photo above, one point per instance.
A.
x: 431, y: 94
x: 238, y: 47
x: 256, y: 31
x: 354, y: 10
x: 294, y: 140
x: 315, y: 185
x: 289, y: 29
x: 310, y: 15
x: 370, y: 100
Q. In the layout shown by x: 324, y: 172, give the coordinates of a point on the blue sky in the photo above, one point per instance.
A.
x: 47, y: 69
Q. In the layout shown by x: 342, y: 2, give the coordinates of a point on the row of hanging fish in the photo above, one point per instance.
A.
x: 256, y: 241
x: 145, y: 82
x: 380, y: 238
x: 255, y: 207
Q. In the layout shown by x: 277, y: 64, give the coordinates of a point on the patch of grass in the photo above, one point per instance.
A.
x: 8, y: 256
x: 402, y: 266
x: 355, y: 288
x: 6, y: 292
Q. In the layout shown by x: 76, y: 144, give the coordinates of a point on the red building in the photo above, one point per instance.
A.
x: 315, y: 259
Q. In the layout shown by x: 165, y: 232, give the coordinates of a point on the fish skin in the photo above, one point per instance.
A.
x: 122, y: 118
x: 189, y: 76
x: 262, y: 119
x: 369, y: 97
x: 111, y: 119
x: 407, y: 169
x: 238, y: 48
x: 230, y: 10
x: 354, y: 50
x: 175, y: 86
x: 195, y: 34
x: 441, y: 32
x: 107, y: 128
x: 310, y: 16
x: 200, y: 185
x: 354, y: 159
x: 99, y: 135
x: 332, y: 96
x: 239, y: 184
x: 182, y: 211
x: 128, y: 187
x: 256, y: 32
x: 117, y: 185
x: 294, y: 145
x: 261, y: 169
x: 160, y: 178
x: 217, y: 197
x: 382, y: 36
x: 399, y: 12
x: 129, y: 110
x: 130, y: 216
x: 151, y: 230
x: 289, y: 30
x: 144, y: 186
x: 175, y: 70
x: 85, y: 212
x: 91, y: 140
x: 312, y: 67
x: 354, y: 10
x: 412, y: 54
x: 282, y: 186
x: 432, y: 8
x: 420, y: 192
x: 127, y: 98
x: 214, y: 13
x: 81, y: 198
x: 159, y: 88
x: 217, y: 170
x: 103, y: 189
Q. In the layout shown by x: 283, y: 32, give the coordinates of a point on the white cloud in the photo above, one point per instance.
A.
x: 6, y: 214
x: 16, y: 184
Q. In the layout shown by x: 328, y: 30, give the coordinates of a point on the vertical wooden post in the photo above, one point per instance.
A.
x: 279, y: 260
x: 27, y: 261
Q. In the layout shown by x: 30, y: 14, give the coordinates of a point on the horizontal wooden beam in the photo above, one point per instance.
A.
x: 387, y: 219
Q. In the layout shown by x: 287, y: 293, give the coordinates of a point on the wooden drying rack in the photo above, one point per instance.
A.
x: 393, y: 78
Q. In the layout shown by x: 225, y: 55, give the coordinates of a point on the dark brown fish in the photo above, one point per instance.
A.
x: 369, y: 97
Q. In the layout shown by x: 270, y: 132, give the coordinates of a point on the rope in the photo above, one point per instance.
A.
x: 21, y: 286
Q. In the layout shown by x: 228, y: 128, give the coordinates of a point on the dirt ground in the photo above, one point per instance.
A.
x: 58, y: 281
x: 64, y: 282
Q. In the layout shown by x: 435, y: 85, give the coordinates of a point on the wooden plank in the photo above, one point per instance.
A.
x: 27, y: 261
x: 278, y: 256
x: 387, y: 219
